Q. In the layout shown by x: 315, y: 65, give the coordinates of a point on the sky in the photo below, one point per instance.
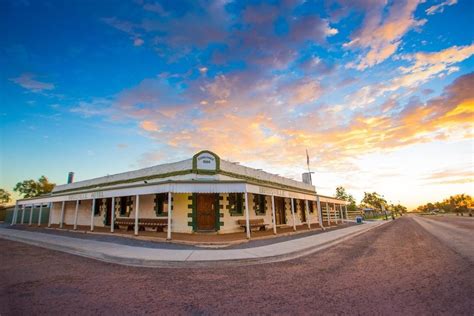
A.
x: 380, y: 93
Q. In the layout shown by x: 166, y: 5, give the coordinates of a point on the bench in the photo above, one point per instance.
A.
x: 128, y: 223
x: 254, y: 222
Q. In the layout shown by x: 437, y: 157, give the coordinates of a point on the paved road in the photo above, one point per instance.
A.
x: 453, y: 231
x: 398, y: 268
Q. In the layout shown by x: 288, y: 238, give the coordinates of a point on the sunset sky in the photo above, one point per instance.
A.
x: 380, y: 93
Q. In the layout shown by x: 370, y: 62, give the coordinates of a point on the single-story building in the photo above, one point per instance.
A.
x: 201, y: 194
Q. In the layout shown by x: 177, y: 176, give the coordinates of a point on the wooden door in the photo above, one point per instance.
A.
x: 280, y: 213
x: 205, y: 211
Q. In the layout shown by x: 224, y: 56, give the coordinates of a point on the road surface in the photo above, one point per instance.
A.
x: 455, y: 232
x: 398, y: 268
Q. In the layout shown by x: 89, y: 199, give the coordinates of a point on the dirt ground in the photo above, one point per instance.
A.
x: 398, y: 268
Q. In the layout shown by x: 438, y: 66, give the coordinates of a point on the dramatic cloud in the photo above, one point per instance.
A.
x: 27, y: 81
x: 425, y: 66
x: 354, y: 82
x: 381, y: 36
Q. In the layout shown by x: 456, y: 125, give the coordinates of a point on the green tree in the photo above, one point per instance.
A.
x: 459, y: 203
x: 374, y: 200
x: 398, y: 209
x: 342, y: 194
x: 4, y: 196
x: 32, y: 188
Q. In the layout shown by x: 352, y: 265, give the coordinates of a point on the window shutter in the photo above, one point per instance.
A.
x: 256, y: 204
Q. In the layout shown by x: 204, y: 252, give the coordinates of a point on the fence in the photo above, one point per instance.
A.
x: 8, y: 215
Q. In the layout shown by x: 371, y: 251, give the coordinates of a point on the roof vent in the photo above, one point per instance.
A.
x: 307, y: 178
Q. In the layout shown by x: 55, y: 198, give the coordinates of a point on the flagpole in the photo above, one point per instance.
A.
x: 307, y: 163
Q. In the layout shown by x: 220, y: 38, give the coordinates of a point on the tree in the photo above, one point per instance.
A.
x: 32, y: 188
x: 343, y: 195
x: 459, y: 203
x: 4, y: 196
x: 374, y: 200
x: 399, y: 209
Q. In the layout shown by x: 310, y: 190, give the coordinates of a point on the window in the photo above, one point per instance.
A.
x: 126, y: 203
x: 161, y: 204
x: 98, y: 203
x: 295, y: 205
x: 259, y: 204
x: 236, y: 202
x: 311, y: 206
x: 302, y: 206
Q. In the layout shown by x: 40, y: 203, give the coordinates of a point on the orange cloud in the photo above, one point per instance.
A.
x: 381, y: 37
x: 149, y: 126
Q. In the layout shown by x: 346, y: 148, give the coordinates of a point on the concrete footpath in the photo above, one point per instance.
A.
x: 175, y: 258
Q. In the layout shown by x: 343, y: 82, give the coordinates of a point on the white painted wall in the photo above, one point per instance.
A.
x: 180, y: 214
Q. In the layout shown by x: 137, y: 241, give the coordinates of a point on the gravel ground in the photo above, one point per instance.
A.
x: 398, y: 268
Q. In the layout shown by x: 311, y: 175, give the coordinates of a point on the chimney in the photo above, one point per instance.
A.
x: 70, y: 177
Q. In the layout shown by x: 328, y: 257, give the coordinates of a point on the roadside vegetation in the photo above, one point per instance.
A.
x: 372, y: 206
x: 26, y: 189
x: 460, y: 204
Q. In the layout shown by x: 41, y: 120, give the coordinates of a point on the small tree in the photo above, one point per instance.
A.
x: 32, y: 188
x: 4, y: 196
x: 343, y: 195
x: 374, y: 200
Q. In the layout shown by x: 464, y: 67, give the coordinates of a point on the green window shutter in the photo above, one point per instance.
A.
x: 160, y: 200
x: 98, y: 203
x: 123, y: 206
x: 263, y: 204
x: 235, y: 204
x: 260, y: 204
x: 256, y: 204
x: 240, y: 203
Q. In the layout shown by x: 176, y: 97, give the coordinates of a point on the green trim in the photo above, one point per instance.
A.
x: 156, y: 176
x: 217, y: 211
x: 247, y: 179
x: 194, y: 222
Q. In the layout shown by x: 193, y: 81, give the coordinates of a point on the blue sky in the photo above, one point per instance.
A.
x: 379, y: 92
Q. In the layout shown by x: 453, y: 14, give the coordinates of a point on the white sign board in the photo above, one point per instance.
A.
x: 206, y: 161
